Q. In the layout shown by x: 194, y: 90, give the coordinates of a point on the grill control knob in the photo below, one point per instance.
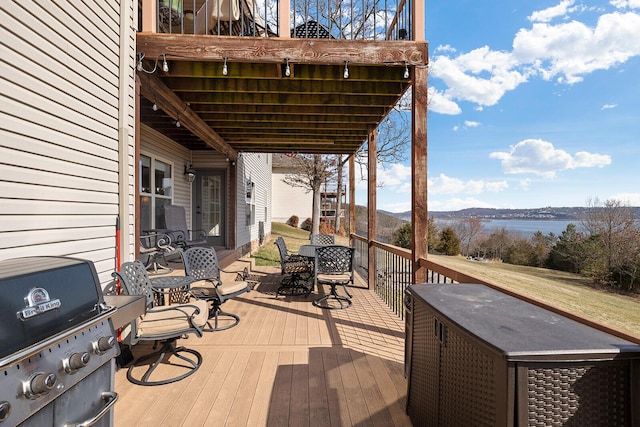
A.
x: 76, y: 361
x: 104, y: 344
x: 5, y: 411
x: 41, y: 383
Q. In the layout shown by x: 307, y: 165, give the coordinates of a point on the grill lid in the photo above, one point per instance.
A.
x: 44, y: 296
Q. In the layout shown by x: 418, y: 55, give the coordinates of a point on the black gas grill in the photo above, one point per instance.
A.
x: 57, y: 344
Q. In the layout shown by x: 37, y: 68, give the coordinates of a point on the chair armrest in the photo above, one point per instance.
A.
x: 180, y: 308
x: 198, y: 234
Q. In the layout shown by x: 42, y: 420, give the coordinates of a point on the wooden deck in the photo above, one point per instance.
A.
x: 286, y: 363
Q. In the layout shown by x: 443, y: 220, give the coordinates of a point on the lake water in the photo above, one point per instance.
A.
x: 525, y: 227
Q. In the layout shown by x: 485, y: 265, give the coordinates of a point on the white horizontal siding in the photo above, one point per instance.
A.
x: 256, y: 166
x: 60, y: 128
x: 288, y: 200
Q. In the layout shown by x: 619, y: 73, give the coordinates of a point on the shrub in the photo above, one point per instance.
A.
x: 307, y: 224
x: 325, y: 228
x: 293, y: 221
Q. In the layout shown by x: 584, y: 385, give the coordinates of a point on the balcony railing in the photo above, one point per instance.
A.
x: 340, y: 19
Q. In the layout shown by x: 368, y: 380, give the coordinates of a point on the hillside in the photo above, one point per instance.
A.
x: 550, y: 213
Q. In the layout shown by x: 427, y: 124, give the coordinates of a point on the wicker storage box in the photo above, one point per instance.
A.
x: 476, y: 356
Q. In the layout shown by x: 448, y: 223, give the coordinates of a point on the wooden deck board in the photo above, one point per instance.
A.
x: 286, y: 363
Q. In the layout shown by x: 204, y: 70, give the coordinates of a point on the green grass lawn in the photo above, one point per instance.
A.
x: 268, y: 254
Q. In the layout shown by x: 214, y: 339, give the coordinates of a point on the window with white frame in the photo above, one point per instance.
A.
x: 156, y: 191
x: 250, y: 188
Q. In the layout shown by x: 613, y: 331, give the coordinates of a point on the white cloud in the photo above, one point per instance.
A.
x: 630, y: 199
x: 571, y: 50
x: 565, y: 52
x: 622, y: 4
x: 447, y: 185
x: 455, y: 204
x: 394, y: 175
x: 440, y: 104
x: 481, y: 76
x: 539, y: 157
x: 608, y: 106
x: 548, y: 14
x: 471, y: 124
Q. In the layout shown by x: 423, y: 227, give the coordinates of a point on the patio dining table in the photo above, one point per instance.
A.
x: 171, y: 289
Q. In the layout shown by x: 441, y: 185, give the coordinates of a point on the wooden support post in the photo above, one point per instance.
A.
x: 352, y: 194
x: 371, y: 206
x: 419, y: 212
x: 233, y: 197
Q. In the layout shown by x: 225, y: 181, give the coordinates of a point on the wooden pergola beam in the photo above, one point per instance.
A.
x: 152, y: 88
x: 187, y: 47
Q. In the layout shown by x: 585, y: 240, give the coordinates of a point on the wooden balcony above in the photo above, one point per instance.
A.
x: 271, y: 94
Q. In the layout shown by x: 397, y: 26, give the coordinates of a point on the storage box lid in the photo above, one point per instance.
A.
x: 516, y: 328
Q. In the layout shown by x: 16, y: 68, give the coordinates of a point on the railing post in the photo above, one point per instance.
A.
x: 149, y: 16
x: 371, y: 206
x: 418, y: 20
x: 284, y: 24
x: 352, y: 194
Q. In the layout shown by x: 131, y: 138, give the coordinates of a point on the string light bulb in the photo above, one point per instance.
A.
x: 287, y: 68
x: 154, y: 106
x: 225, y: 69
x: 346, y: 70
x: 406, y: 71
x: 165, y: 66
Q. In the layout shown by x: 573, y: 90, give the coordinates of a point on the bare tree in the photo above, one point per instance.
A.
x: 613, y: 226
x: 310, y: 171
x: 467, y: 229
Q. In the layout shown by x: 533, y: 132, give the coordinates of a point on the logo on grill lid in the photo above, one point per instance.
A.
x: 37, y: 302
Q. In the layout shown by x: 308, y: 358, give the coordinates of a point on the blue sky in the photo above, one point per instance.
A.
x: 532, y: 104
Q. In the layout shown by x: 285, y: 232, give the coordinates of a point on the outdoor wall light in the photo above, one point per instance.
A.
x: 189, y: 173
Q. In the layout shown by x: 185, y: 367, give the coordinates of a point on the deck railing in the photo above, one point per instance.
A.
x: 341, y: 19
x: 393, y: 272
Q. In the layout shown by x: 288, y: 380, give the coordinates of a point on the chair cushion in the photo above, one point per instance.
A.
x: 165, y: 322
x: 204, y: 288
x: 334, y: 278
x: 232, y: 287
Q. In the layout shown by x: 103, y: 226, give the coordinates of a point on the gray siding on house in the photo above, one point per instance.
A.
x: 66, y: 125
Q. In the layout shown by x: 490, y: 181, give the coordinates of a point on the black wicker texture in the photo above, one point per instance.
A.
x: 596, y: 394
x: 423, y: 393
x: 467, y: 383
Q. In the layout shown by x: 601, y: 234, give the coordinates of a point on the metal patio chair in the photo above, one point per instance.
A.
x: 322, y: 239
x: 176, y: 227
x: 298, y: 270
x: 333, y: 267
x: 163, y: 325
x: 201, y: 264
x: 154, y: 248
